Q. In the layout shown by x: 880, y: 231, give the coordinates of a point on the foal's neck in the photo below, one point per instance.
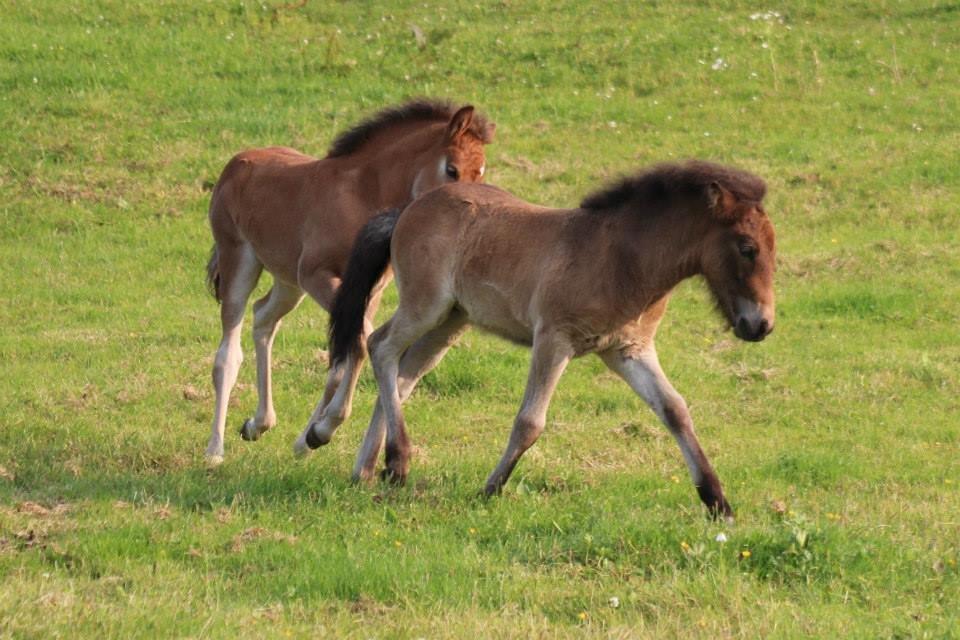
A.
x: 387, y: 176
x: 652, y: 252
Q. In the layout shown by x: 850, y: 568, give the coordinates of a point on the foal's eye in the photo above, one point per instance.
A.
x: 453, y: 172
x: 748, y: 251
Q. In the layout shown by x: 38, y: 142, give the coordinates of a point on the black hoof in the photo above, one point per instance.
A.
x: 712, y: 496
x: 491, y: 491
x: 720, y: 510
x: 313, y: 440
x: 396, y: 479
x: 250, y: 432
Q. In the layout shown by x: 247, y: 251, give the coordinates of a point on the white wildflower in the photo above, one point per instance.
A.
x: 767, y: 16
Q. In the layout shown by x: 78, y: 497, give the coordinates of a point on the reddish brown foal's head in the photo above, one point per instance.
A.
x: 738, y: 262
x: 457, y: 155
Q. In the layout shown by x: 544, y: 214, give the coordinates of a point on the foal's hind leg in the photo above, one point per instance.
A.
x: 333, y: 409
x: 551, y: 353
x: 422, y: 356
x: 267, y: 313
x: 239, y: 271
x: 337, y: 402
x: 646, y: 378
x: 387, y: 344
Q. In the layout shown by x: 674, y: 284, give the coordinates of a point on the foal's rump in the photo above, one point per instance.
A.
x: 260, y: 168
x: 480, y: 248
x: 266, y: 178
x: 265, y: 199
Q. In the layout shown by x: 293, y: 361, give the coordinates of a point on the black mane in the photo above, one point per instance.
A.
x: 673, y: 180
x: 419, y: 110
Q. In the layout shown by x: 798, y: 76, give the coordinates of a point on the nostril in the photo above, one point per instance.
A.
x: 763, y: 328
x: 743, y: 327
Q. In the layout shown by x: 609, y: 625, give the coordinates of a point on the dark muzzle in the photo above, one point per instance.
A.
x: 752, y: 331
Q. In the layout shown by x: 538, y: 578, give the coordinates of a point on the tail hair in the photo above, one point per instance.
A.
x: 213, y: 273
x: 369, y: 259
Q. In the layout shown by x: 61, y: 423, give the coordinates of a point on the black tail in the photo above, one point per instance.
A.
x: 368, y: 260
x: 213, y: 273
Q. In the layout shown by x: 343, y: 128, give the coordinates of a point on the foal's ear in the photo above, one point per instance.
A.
x: 722, y: 200
x: 460, y: 122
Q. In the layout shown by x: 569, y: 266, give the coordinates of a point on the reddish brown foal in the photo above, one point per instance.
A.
x: 296, y: 216
x: 567, y: 282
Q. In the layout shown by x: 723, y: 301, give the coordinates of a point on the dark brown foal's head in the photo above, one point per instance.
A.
x: 457, y: 156
x: 738, y: 262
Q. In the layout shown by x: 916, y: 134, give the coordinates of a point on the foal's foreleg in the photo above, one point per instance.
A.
x: 551, y: 353
x: 646, y: 378
x: 267, y: 314
x: 422, y: 356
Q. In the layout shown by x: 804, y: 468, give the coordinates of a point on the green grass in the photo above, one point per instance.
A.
x: 113, y: 118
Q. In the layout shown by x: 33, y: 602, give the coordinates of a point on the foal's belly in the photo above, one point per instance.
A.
x: 512, y: 332
x: 489, y: 309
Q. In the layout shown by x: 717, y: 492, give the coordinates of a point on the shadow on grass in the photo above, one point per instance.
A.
x: 256, y: 480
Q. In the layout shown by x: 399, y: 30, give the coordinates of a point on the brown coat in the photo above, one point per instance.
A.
x: 567, y: 282
x: 296, y: 216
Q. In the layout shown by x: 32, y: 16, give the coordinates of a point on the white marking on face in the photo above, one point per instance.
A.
x: 482, y: 169
x: 415, y: 189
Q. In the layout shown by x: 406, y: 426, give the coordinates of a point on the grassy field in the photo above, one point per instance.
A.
x: 837, y: 438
